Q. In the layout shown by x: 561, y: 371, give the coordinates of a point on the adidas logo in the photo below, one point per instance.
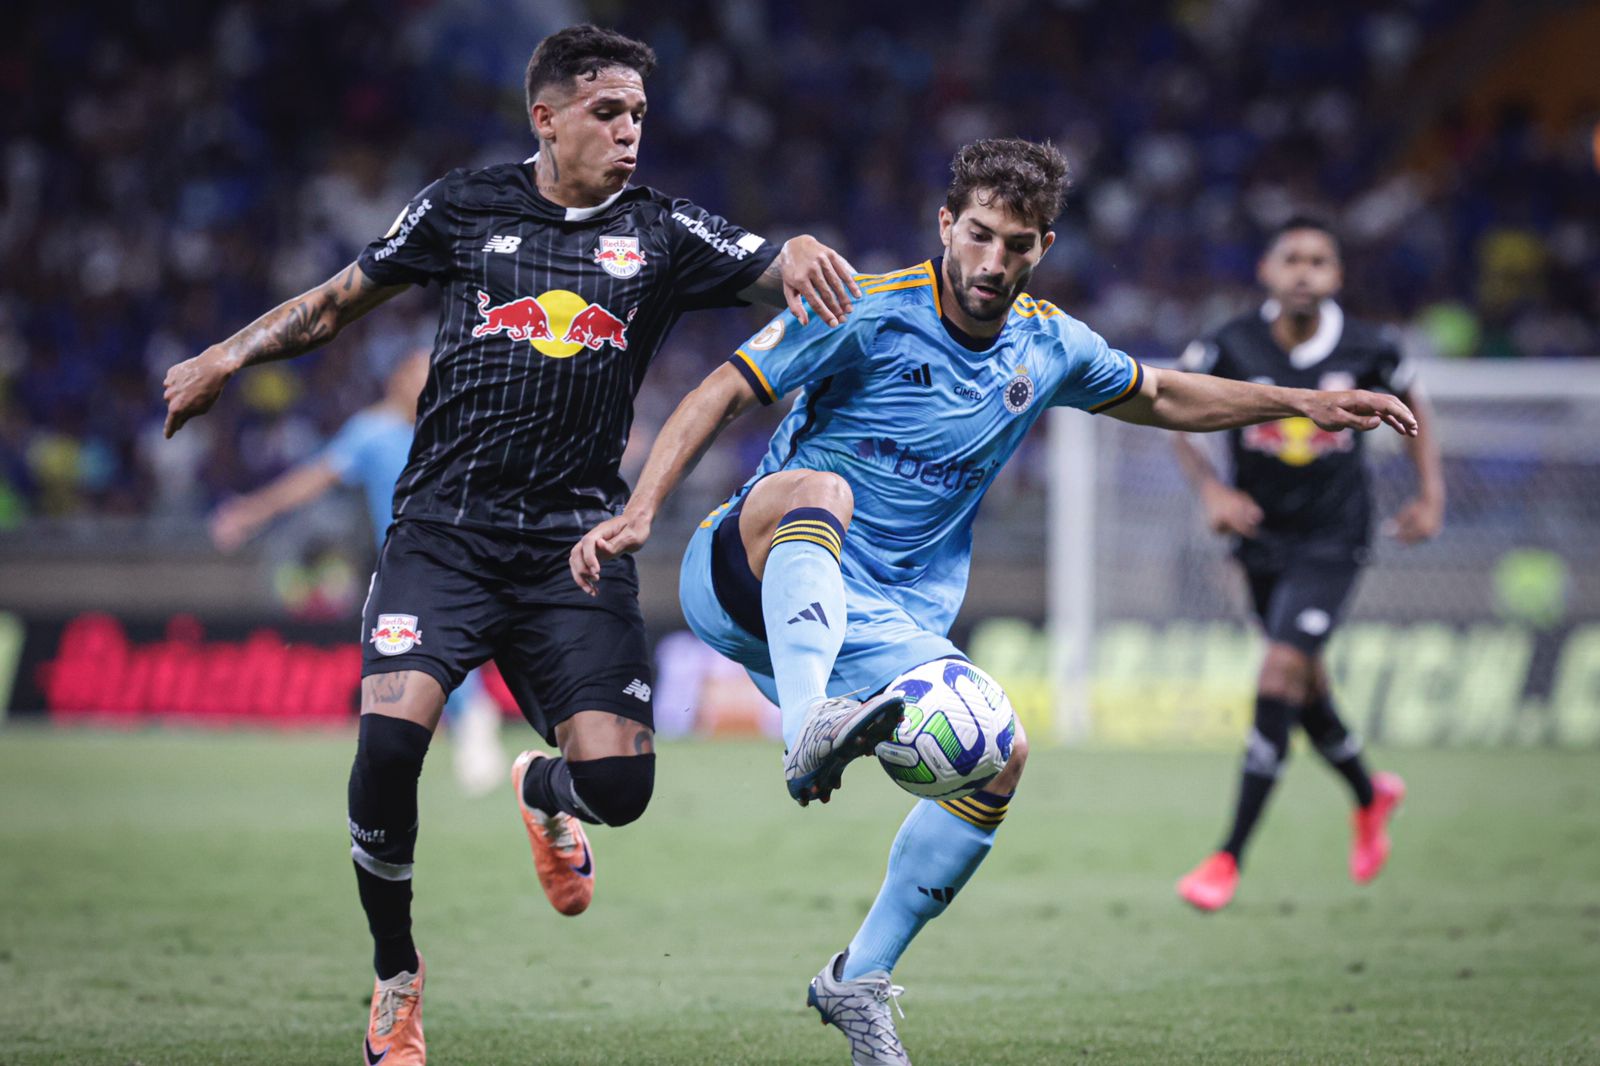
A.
x: 922, y: 375
x: 814, y: 613
x: 943, y: 895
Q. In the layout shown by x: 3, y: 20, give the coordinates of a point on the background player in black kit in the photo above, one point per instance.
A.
x: 559, y: 283
x: 1301, y: 507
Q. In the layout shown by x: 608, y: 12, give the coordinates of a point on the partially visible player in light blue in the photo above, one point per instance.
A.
x: 843, y: 562
x: 369, y: 452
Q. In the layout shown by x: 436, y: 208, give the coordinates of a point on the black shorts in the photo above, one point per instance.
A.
x: 445, y: 599
x: 1299, y: 603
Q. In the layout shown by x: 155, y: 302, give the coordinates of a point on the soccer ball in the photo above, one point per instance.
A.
x: 956, y: 733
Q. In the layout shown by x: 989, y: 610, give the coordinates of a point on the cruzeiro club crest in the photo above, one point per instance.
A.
x: 1018, y: 392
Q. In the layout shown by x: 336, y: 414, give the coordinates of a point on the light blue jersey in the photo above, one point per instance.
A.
x: 369, y: 452
x: 919, y: 425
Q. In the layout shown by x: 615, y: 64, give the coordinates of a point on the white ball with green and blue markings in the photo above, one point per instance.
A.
x: 956, y: 733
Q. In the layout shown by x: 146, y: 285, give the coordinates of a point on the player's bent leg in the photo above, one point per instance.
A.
x: 399, y: 711
x: 604, y: 776
x: 1337, y: 745
x: 1280, y: 691
x: 793, y: 526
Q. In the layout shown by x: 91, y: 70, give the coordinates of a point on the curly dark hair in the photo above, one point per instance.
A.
x: 581, y: 52
x: 1028, y: 179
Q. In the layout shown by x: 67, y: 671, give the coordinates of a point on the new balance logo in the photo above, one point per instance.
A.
x: 922, y: 375
x: 498, y: 243
x: 943, y: 895
x: 638, y: 690
x: 814, y: 613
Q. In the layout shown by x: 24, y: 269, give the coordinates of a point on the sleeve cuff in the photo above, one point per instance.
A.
x: 752, y: 374
x: 1126, y: 394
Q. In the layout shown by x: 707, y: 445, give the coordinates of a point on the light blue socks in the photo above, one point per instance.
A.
x: 938, y: 848
x: 802, y: 602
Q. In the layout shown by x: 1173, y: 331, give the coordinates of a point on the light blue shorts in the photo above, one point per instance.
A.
x: 721, y: 600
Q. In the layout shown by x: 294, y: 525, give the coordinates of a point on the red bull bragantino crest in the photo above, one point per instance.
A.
x: 619, y: 256
x: 558, y: 323
x: 396, y: 634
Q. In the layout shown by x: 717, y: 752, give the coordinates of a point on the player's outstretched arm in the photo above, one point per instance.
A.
x: 242, y: 517
x: 292, y: 328
x: 1174, y: 399
x: 807, y: 268
x: 722, y: 397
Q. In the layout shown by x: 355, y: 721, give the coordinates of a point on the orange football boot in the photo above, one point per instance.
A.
x: 394, y: 1029
x: 1369, y: 846
x: 1211, y: 885
x: 560, y: 848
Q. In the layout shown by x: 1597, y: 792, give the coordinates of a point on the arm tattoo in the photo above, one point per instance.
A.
x: 642, y: 744
x: 309, y: 320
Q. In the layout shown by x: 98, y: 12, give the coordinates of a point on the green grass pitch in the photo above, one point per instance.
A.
x: 187, y: 898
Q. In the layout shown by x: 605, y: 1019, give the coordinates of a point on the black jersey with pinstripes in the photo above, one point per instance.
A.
x: 548, y: 321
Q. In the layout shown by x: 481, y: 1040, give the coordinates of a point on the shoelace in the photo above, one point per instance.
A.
x: 558, y: 827
x: 389, y: 1005
x: 886, y: 992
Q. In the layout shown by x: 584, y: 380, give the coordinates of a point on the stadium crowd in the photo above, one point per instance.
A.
x: 170, y: 171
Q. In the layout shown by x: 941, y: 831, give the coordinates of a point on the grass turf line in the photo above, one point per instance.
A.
x: 187, y: 898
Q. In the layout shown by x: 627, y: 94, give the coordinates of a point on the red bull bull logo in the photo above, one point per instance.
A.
x: 1296, y: 441
x: 396, y: 633
x: 558, y: 323
x: 619, y: 256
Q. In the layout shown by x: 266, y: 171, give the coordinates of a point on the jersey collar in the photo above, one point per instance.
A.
x: 1317, y: 347
x: 567, y: 214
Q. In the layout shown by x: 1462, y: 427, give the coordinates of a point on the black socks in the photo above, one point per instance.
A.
x: 383, y: 833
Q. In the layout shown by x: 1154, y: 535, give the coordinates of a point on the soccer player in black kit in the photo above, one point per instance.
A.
x: 559, y: 282
x: 1301, y: 508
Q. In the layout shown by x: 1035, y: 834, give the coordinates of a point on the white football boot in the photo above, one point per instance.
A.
x: 860, y: 1010
x: 836, y: 731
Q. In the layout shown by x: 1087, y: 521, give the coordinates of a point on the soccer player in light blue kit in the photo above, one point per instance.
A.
x: 842, y: 563
x: 369, y: 452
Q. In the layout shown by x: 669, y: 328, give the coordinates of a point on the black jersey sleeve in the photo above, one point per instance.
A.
x: 416, y: 250
x: 713, y: 260
x: 1390, y: 371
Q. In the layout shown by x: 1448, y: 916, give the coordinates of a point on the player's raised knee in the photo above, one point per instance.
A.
x: 617, y: 789
x: 825, y: 489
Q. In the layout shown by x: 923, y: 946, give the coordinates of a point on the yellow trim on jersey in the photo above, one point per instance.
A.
x: 875, y: 279
x: 1133, y: 383
x: 914, y: 277
x: 914, y: 283
x: 751, y: 363
x: 810, y: 538
x: 810, y: 525
x: 1028, y: 307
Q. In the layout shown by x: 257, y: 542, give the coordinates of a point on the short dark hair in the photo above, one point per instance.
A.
x: 1028, y: 179
x: 583, y: 51
x: 1299, y: 222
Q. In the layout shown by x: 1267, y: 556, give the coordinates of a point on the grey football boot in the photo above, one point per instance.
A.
x: 860, y: 1010
x: 835, y: 731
